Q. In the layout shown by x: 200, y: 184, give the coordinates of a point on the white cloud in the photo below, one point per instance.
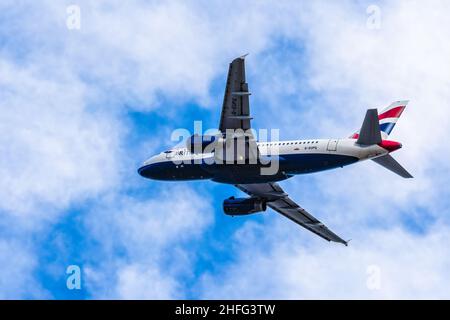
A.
x: 143, y: 50
x: 411, y: 266
x: 142, y: 282
x: 151, y: 237
x: 17, y: 263
x: 55, y: 150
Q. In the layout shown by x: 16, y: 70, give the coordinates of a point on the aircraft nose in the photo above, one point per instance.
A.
x: 141, y: 170
x: 155, y: 169
x: 148, y: 168
x: 148, y: 171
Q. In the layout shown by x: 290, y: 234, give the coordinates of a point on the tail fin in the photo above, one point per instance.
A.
x: 370, y: 131
x: 388, y: 118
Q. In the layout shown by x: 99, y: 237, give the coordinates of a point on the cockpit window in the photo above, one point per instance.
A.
x: 169, y: 151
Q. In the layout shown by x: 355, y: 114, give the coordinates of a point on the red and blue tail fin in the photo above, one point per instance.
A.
x: 388, y: 118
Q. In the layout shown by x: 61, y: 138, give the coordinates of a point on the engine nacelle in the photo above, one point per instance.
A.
x: 197, y: 143
x: 243, y: 206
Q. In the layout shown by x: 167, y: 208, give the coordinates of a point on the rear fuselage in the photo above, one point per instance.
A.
x: 294, y: 157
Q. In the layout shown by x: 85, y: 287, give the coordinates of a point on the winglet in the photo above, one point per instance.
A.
x: 243, y: 56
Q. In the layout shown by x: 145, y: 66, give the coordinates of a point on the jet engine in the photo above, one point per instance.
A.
x: 243, y: 206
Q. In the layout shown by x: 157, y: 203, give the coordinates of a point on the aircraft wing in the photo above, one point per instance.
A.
x: 236, y: 108
x: 279, y: 201
x: 235, y: 117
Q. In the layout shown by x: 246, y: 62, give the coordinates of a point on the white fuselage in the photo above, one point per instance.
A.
x: 295, y: 157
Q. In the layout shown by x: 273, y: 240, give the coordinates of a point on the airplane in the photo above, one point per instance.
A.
x: 243, y: 168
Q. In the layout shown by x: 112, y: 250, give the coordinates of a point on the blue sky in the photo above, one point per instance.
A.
x: 83, y: 108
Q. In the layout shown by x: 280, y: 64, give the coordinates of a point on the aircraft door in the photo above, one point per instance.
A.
x: 332, y: 145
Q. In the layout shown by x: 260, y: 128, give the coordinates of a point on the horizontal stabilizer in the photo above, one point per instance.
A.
x: 370, y: 130
x: 391, y: 164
